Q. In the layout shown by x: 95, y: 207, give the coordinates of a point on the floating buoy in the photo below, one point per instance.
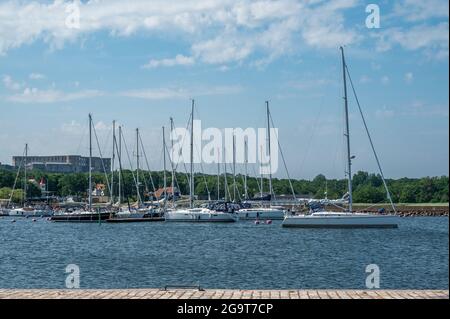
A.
x: 13, y: 221
x: 268, y: 222
x: 34, y: 219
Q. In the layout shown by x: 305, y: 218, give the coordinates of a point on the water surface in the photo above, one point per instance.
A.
x: 238, y: 255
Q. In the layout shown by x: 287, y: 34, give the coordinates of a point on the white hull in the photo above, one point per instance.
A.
x: 341, y: 220
x: 199, y: 215
x: 261, y: 213
x: 20, y: 212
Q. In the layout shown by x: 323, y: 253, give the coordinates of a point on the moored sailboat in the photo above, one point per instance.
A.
x: 347, y: 219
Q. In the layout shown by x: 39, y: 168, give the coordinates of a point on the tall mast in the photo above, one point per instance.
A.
x: 270, y: 154
x: 234, y: 168
x: 25, y: 185
x: 171, y: 162
x: 137, y: 165
x: 261, y: 173
x: 120, y: 158
x: 113, y: 163
x: 218, y: 174
x: 347, y: 135
x: 164, y: 163
x: 90, y: 163
x: 225, y: 173
x: 191, y: 197
x: 246, y: 171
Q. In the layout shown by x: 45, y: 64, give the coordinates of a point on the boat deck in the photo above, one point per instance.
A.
x: 218, y: 294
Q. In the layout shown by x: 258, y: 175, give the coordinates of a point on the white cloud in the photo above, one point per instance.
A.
x: 385, y: 80
x: 384, y: 113
x: 10, y: 84
x: 36, y: 76
x: 34, y: 95
x: 433, y: 38
x: 365, y: 79
x: 217, y: 31
x: 178, y: 60
x: 418, y: 10
x: 179, y: 93
x: 409, y: 77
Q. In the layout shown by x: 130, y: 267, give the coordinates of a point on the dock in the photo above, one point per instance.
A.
x: 219, y: 294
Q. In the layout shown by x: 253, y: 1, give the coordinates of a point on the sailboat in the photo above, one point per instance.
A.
x: 345, y: 219
x: 84, y: 215
x: 129, y: 215
x: 26, y: 211
x: 263, y: 213
x: 193, y: 214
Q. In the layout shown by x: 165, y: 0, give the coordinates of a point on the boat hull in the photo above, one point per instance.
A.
x: 261, y: 214
x: 362, y: 221
x: 199, y: 216
x: 80, y: 218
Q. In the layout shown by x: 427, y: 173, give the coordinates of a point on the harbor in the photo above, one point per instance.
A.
x: 191, y: 152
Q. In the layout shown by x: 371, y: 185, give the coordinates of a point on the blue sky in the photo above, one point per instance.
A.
x: 139, y: 62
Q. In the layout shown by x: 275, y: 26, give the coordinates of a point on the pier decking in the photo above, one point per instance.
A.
x: 218, y: 294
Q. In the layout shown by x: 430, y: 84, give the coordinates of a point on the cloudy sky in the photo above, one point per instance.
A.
x: 139, y: 62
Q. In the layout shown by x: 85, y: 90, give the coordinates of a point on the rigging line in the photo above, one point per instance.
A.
x: 175, y: 182
x: 131, y: 166
x: 311, y: 137
x: 371, y: 143
x: 15, y: 180
x: 146, y: 162
x: 181, y: 155
x: 101, y: 159
x: 257, y: 179
x: 203, y: 172
x: 84, y: 133
x: 284, y: 161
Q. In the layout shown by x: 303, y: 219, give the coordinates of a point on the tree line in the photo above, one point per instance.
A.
x: 367, y: 187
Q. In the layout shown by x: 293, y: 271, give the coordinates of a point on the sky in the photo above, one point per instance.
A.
x: 140, y: 62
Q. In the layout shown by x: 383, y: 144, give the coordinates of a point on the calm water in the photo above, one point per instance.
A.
x: 240, y: 255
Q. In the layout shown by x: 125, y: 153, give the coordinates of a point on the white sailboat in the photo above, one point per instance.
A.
x: 262, y: 213
x: 84, y: 215
x: 26, y: 211
x: 196, y: 214
x: 348, y: 219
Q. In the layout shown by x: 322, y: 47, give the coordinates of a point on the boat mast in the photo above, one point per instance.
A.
x: 191, y: 196
x: 164, y: 164
x: 113, y: 163
x: 347, y: 135
x: 218, y: 174
x: 120, y: 157
x: 234, y: 168
x: 171, y: 160
x: 137, y: 166
x: 25, y: 185
x: 261, y: 173
x: 225, y: 173
x: 90, y: 163
x: 246, y: 171
x: 270, y: 155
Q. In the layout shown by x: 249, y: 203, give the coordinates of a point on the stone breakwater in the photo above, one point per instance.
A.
x: 410, y: 211
x: 219, y: 294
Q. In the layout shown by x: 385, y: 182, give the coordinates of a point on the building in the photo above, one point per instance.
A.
x: 159, y: 194
x: 62, y: 163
